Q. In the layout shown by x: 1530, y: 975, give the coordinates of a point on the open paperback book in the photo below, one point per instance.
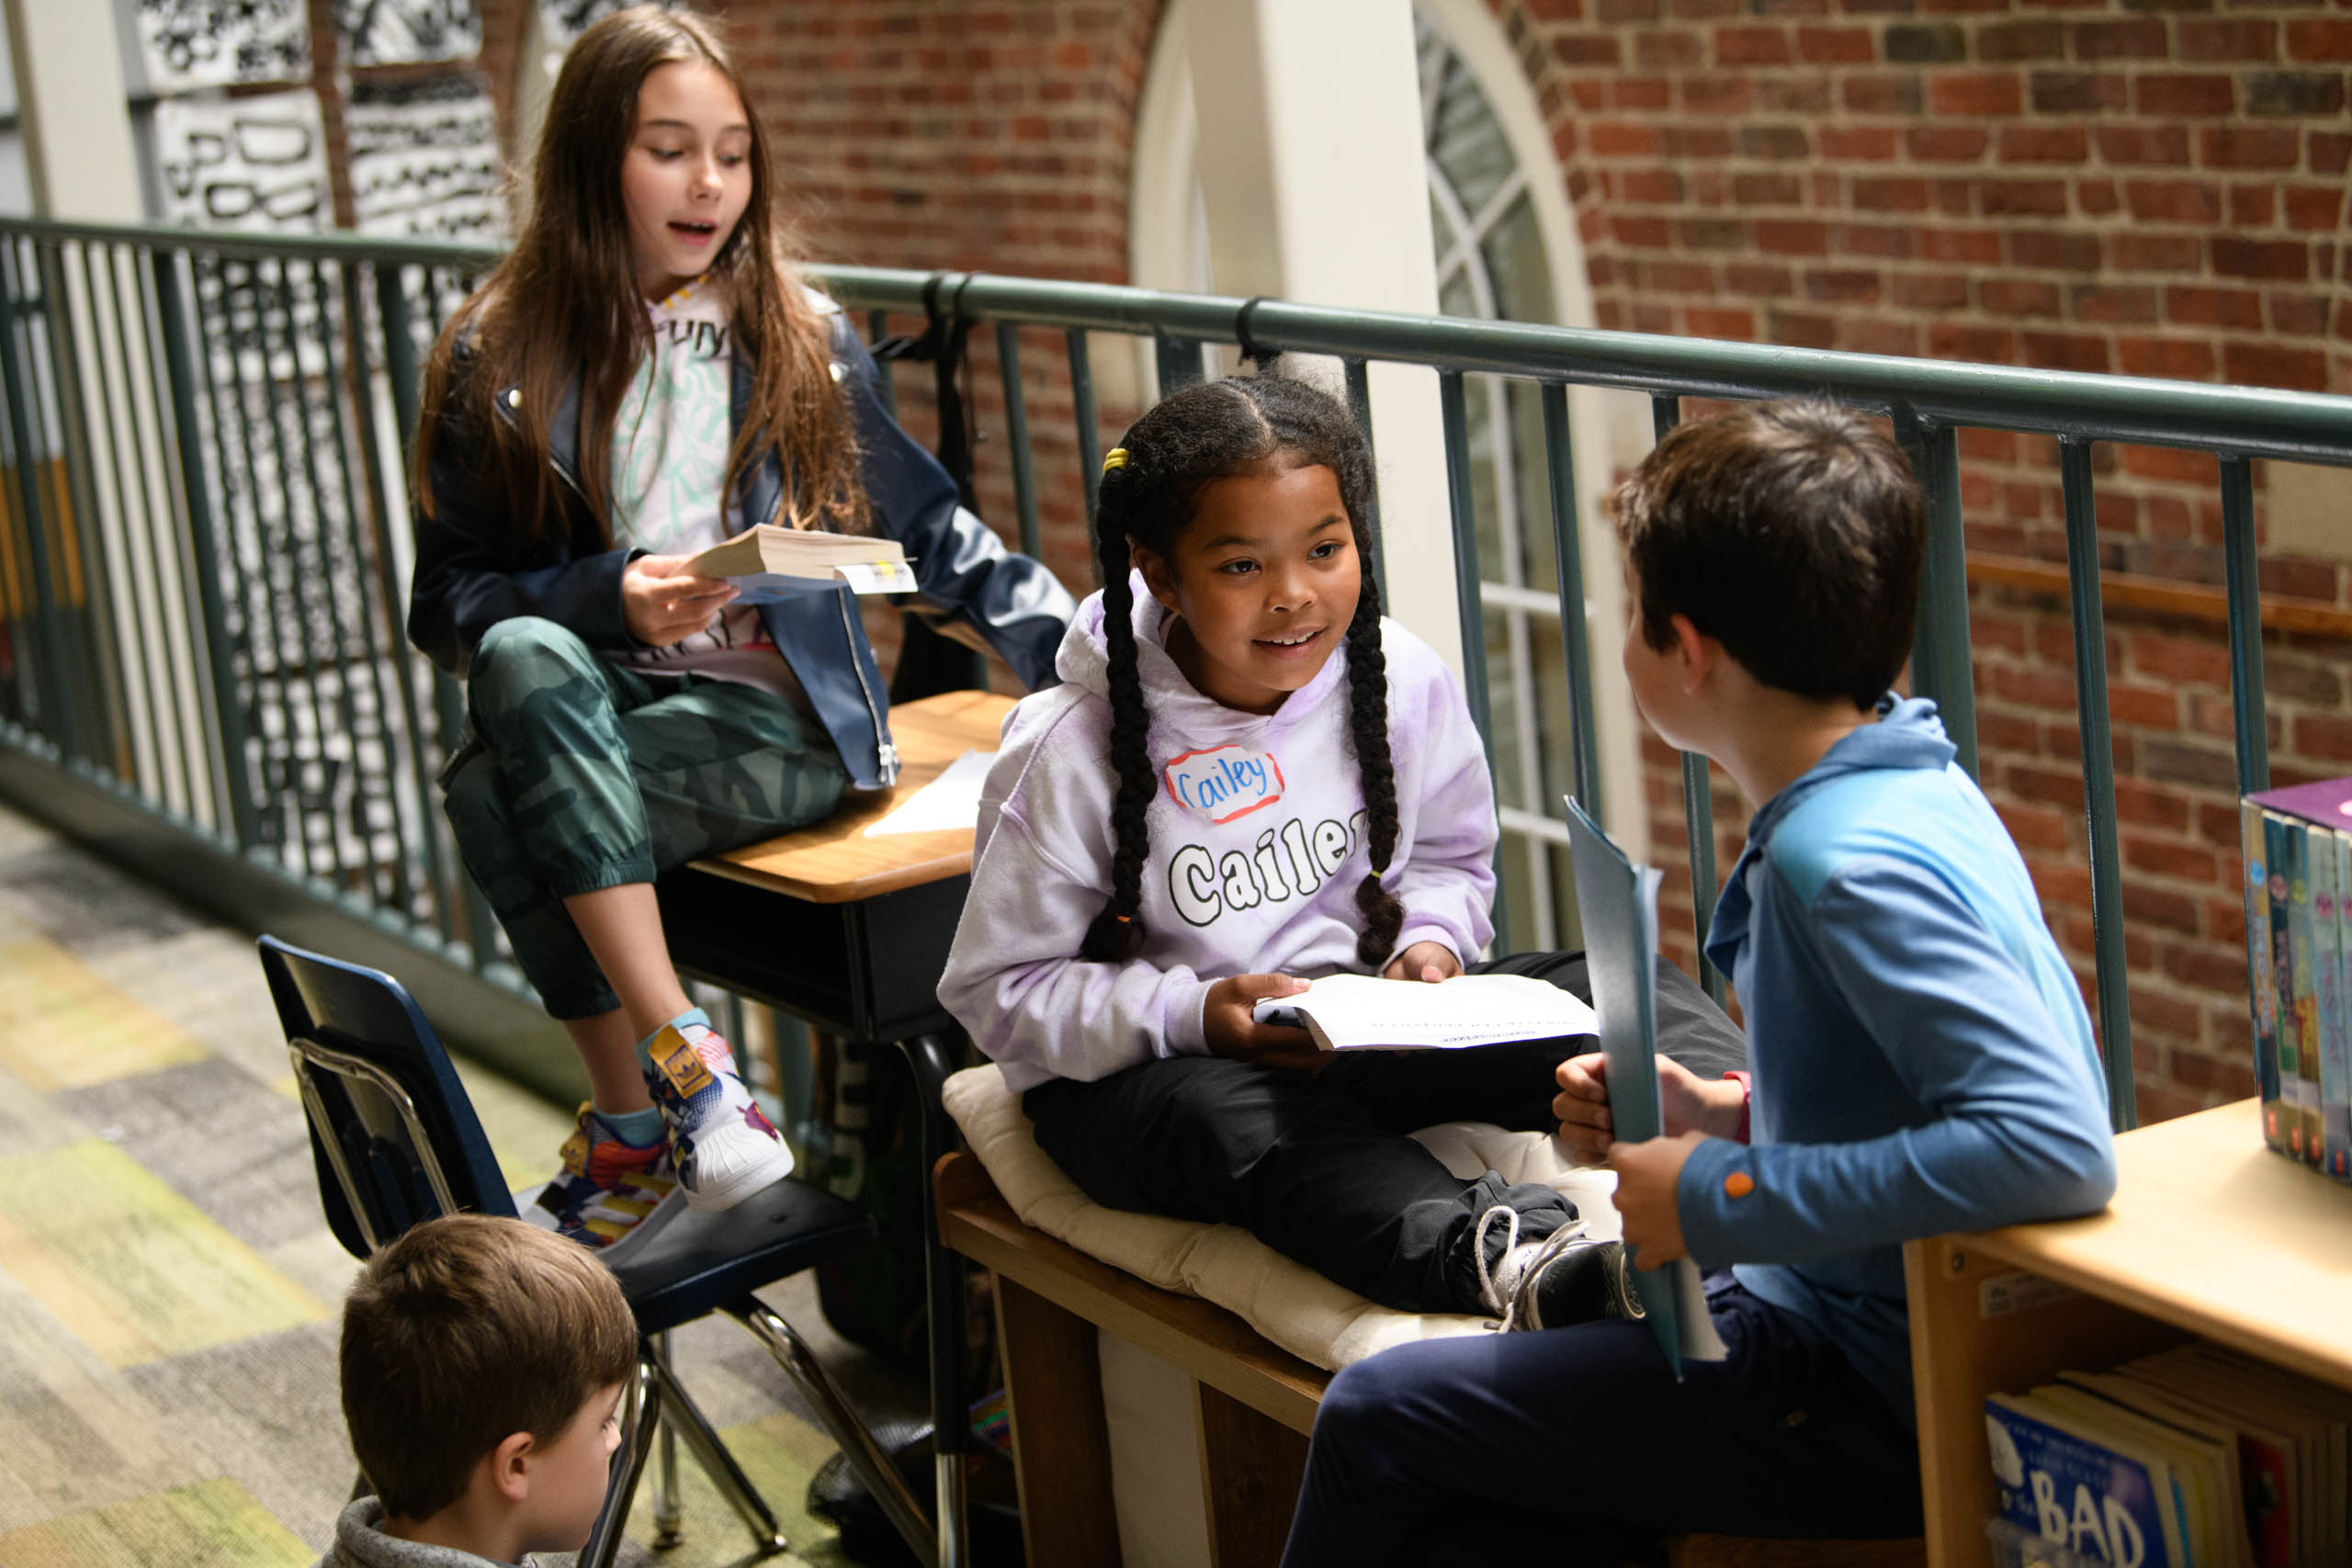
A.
x: 1617, y: 905
x: 766, y: 563
x: 1347, y: 1012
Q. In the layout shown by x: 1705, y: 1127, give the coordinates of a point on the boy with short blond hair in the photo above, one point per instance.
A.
x: 484, y: 1365
x: 1922, y: 1063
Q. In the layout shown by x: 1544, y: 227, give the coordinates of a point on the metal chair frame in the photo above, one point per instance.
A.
x: 658, y: 1410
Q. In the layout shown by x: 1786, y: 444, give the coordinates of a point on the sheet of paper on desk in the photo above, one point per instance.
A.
x: 952, y: 800
x: 1346, y: 1012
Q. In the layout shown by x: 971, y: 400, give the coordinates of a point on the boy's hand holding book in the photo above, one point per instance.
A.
x: 661, y: 603
x: 1648, y: 1175
x: 1688, y: 1103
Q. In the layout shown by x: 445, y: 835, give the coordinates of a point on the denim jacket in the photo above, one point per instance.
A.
x: 474, y: 570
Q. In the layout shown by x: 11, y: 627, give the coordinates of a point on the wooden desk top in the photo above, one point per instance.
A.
x: 2213, y: 1233
x: 833, y: 861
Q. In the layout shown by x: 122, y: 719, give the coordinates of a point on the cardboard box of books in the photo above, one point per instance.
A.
x: 2297, y: 844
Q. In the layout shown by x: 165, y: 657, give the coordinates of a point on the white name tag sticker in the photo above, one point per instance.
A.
x: 1224, y: 782
x: 877, y: 577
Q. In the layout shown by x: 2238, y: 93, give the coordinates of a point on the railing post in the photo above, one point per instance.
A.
x: 1090, y: 439
x: 1016, y: 433
x: 1697, y: 792
x: 1568, y: 552
x: 236, y: 783
x: 1941, y: 664
x: 1359, y: 377
x: 1179, y: 360
x: 2099, y: 779
x: 1470, y: 605
x: 2245, y: 626
x: 58, y: 716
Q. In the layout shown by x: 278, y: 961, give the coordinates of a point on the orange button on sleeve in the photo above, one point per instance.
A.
x: 1738, y: 1184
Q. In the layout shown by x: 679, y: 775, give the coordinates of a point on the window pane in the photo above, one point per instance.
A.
x: 1466, y: 139
x: 1515, y: 259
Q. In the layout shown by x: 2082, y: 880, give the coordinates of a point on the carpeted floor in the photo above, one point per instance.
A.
x: 168, y: 1289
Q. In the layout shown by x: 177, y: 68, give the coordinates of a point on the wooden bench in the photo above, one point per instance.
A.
x: 1254, y: 1403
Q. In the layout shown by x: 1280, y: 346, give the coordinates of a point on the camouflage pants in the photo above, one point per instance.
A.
x: 593, y: 776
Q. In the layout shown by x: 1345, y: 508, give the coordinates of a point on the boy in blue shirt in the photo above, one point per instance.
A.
x: 1920, y: 1060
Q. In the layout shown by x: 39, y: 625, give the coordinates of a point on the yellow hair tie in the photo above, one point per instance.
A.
x: 1116, y: 457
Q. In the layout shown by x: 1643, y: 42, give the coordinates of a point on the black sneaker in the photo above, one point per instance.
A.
x: 1573, y: 1278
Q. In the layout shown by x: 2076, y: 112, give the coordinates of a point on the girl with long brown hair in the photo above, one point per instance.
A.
x: 643, y: 376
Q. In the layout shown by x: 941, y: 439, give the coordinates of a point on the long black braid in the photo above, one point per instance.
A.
x: 1214, y: 431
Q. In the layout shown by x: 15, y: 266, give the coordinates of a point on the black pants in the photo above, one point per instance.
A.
x: 1319, y: 1167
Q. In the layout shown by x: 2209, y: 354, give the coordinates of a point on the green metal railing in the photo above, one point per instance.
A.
x: 204, y: 541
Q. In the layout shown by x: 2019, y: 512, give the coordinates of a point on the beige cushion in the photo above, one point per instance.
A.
x: 1288, y: 1303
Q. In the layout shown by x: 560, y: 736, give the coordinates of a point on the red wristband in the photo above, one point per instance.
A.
x: 1747, y: 1093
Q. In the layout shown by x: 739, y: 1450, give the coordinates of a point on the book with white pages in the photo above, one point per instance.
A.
x: 1357, y: 1013
x: 1617, y: 906
x: 767, y: 563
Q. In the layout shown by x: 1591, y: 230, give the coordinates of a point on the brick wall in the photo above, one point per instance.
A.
x: 2150, y: 189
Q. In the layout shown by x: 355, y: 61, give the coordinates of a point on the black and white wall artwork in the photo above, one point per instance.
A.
x: 562, y: 21
x: 424, y: 161
x: 212, y: 43
x: 397, y: 32
x: 257, y: 163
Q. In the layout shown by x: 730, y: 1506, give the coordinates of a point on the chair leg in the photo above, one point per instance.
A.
x: 681, y: 1415
x: 637, y: 1427
x: 668, y: 1515
x: 944, y: 1276
x: 864, y: 1456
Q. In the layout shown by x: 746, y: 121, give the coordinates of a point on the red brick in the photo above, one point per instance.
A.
x: 1588, y: 48
x: 1836, y: 46
x: 2209, y: 968
x: 1708, y: 321
x: 2054, y: 250
x: 2077, y: 92
x: 1946, y: 143
x: 1724, y: 96
x: 2186, y: 95
x: 2166, y: 858
x: 2252, y: 206
x: 2275, y: 365
x: 1979, y: 246
x: 1895, y: 95
x: 1971, y: 346
x: 2033, y: 199
x: 2249, y: 146
x: 1890, y: 193
x: 2174, y: 201
x: 2318, y: 38
x: 2165, y: 357
x: 2330, y: 152
x: 1619, y: 139
x: 2021, y: 40
x: 1891, y: 242
x: 1856, y: 143
x: 1752, y: 46
x: 2286, y: 261
x: 1792, y: 237
x: 1932, y: 290
x: 1977, y: 92
x: 2036, y: 826
x: 2045, y: 144
x: 2251, y: 39
x: 2314, y: 207
x: 2136, y: 38
x: 2324, y: 735
x: 2017, y: 297
x: 2143, y: 144
x: 2147, y: 904
x: 2234, y: 307
x: 2122, y: 306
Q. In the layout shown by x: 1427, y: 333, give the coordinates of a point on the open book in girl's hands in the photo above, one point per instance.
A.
x: 767, y: 563
x: 1348, y: 1012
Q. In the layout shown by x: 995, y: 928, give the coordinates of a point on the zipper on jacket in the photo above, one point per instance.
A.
x: 886, y: 754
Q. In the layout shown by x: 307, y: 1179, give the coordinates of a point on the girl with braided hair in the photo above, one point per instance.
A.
x: 1248, y: 777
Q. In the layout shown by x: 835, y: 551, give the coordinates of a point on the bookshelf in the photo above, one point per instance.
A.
x: 2209, y: 1235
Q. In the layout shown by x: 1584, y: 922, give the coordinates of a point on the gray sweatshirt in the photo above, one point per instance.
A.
x: 360, y: 1543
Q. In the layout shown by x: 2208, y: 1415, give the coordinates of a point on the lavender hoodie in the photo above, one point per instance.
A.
x: 1258, y: 842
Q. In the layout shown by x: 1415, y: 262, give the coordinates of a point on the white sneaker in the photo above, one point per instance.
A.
x: 723, y: 1146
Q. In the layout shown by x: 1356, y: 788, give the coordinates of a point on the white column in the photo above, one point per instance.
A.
x: 70, y: 106
x: 1315, y: 187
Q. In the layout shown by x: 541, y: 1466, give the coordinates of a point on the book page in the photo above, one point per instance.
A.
x: 1349, y: 1012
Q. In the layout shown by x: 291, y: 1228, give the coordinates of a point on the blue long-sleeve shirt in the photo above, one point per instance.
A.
x: 1922, y: 1060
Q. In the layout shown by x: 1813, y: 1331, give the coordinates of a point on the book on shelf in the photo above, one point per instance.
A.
x: 2298, y: 901
x: 767, y: 562
x: 2197, y: 1457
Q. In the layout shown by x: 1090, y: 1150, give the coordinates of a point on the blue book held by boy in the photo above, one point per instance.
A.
x: 1617, y: 905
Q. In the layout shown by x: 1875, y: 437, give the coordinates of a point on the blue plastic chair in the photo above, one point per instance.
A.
x: 396, y: 1141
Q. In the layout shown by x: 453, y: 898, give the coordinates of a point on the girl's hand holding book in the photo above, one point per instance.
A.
x: 661, y: 606
x: 1429, y: 961
x: 1688, y: 1103
x: 1231, y: 1030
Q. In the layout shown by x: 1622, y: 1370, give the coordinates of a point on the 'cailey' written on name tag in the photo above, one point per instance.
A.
x: 1224, y: 782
